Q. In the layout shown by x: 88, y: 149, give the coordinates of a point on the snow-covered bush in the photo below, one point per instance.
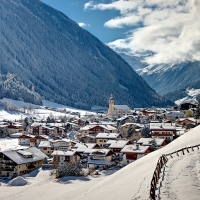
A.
x: 69, y: 169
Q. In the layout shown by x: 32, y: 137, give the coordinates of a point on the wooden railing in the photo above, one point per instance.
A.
x: 156, y: 175
x: 161, y: 162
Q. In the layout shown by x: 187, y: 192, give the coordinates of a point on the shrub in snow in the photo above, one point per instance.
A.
x: 69, y: 169
x: 18, y: 181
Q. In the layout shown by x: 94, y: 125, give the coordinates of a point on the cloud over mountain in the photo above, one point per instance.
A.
x: 169, y: 29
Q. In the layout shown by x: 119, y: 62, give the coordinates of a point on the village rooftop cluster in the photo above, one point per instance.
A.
x: 96, y: 141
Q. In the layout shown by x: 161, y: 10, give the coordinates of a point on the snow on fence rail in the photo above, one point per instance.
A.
x: 161, y: 162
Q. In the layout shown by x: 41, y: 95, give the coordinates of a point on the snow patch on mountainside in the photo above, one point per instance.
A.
x: 190, y: 98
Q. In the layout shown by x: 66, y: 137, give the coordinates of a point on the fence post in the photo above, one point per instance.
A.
x: 183, y: 151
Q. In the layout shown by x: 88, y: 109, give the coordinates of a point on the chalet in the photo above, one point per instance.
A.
x: 95, y: 129
x: 149, y: 141
x: 125, y: 127
x: 19, y: 162
x: 148, y: 112
x: 43, y: 130
x: 117, y: 145
x: 14, y: 128
x: 60, y: 157
x: 187, y: 106
x: 101, y: 157
x: 117, y: 109
x: 37, y: 139
x: 102, y: 138
x: 82, y: 147
x: 163, y: 130
x: 134, y: 152
x: 48, y: 147
x: 24, y: 139
x: 186, y: 121
x: 31, y: 139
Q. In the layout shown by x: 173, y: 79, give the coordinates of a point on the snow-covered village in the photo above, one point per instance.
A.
x: 73, y: 151
x: 99, y: 99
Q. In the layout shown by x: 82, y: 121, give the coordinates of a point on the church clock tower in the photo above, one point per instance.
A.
x: 111, y: 105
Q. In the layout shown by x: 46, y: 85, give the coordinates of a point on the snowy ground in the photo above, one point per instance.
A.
x: 181, y: 177
x: 38, y: 112
x: 43, y: 186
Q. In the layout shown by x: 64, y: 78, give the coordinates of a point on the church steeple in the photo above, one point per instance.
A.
x: 111, y: 105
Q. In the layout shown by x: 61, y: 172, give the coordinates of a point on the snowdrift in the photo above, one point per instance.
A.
x: 18, y: 181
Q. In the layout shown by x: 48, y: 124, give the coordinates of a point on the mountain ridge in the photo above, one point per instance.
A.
x: 65, y: 63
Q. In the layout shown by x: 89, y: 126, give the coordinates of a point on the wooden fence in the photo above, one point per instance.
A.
x: 161, y: 162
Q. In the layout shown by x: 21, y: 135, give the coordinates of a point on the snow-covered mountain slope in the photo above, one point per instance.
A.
x: 133, y: 181
x: 168, y: 78
x: 165, y: 78
x: 134, y: 61
x: 15, y: 110
x: 191, y: 97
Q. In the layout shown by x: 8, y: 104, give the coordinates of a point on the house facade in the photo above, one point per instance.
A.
x: 20, y: 161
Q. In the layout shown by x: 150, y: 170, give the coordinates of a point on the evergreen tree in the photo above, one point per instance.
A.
x: 197, y: 112
x: 25, y: 123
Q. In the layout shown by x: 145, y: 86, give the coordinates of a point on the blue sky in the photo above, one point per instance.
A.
x: 93, y: 20
x: 168, y: 28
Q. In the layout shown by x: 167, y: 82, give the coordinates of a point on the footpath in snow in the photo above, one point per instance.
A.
x: 181, y: 177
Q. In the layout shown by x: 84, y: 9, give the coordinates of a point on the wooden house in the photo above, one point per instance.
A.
x: 134, y: 152
x: 20, y: 161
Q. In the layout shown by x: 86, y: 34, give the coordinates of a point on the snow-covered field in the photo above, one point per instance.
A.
x: 38, y: 112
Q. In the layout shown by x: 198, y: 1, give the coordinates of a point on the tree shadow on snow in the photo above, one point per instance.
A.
x: 70, y: 179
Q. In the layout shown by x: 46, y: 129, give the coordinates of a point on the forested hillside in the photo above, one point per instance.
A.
x: 54, y: 59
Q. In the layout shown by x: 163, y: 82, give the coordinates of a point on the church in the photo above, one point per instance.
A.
x: 117, y: 109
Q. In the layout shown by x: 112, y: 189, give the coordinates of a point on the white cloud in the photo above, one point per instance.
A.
x: 81, y: 24
x: 170, y: 29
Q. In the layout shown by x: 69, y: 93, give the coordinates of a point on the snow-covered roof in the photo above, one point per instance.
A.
x: 162, y: 126
x: 134, y: 149
x: 121, y: 107
x: 118, y: 143
x: 148, y: 141
x: 17, y: 155
x: 100, y: 152
x: 63, y: 153
x: 88, y: 151
x: 84, y: 147
x: 107, y: 135
x: 44, y: 144
x: 99, y: 162
x: 104, y: 126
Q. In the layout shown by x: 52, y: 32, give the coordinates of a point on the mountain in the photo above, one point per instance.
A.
x: 168, y: 78
x: 54, y: 58
x: 134, y: 61
x: 190, y: 93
